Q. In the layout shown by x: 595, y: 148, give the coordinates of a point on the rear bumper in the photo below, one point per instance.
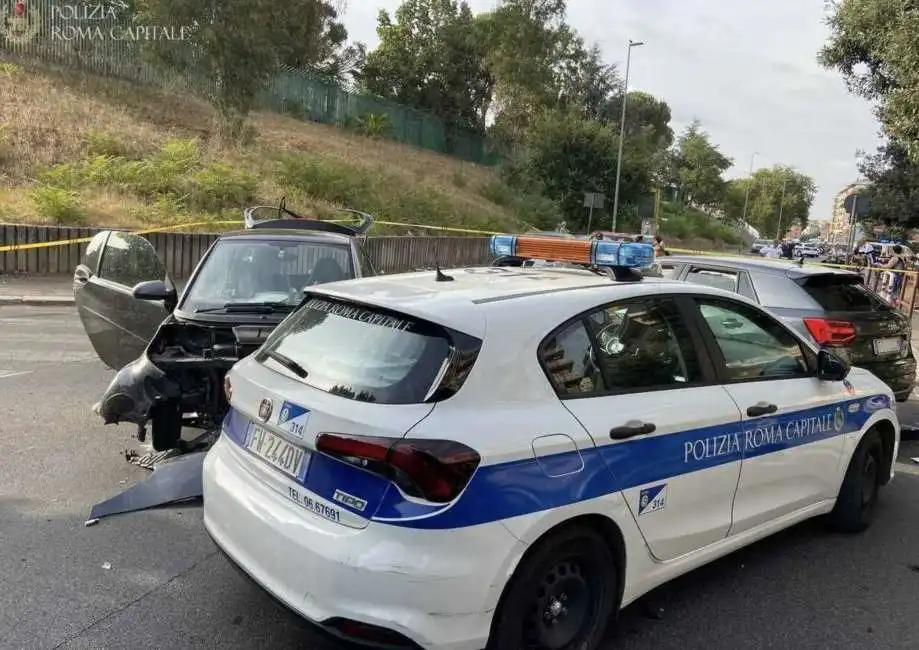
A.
x: 436, y: 588
x: 899, y: 375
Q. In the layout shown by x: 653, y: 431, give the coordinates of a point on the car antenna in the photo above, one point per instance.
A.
x: 440, y: 276
x: 281, y: 206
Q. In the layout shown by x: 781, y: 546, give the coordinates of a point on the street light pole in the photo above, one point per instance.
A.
x: 625, y: 94
x: 778, y: 228
x: 746, y: 198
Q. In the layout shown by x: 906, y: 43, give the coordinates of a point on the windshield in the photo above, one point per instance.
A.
x: 358, y: 352
x: 265, y: 271
x: 842, y: 293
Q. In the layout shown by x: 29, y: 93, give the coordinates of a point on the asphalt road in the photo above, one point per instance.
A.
x: 153, y: 580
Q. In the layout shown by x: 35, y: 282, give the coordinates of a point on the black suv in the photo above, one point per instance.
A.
x: 172, y: 351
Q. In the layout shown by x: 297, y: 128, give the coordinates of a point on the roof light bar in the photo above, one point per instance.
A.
x: 599, y: 252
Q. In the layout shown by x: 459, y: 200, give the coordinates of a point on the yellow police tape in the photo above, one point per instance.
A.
x: 83, y: 240
x: 686, y: 251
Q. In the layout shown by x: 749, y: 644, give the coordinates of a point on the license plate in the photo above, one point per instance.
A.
x: 886, y: 346
x: 277, y: 452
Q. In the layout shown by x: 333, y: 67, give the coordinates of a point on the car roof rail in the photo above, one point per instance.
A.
x: 283, y: 218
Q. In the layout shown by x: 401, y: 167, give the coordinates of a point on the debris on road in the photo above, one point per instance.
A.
x: 106, y: 565
x: 172, y: 482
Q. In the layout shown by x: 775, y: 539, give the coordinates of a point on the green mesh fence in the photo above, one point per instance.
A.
x: 98, y: 39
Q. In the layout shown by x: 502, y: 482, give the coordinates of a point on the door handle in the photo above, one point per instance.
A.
x: 762, y: 408
x: 631, y: 429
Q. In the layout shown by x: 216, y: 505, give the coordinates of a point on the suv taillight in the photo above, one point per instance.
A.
x: 434, y: 470
x: 830, y: 332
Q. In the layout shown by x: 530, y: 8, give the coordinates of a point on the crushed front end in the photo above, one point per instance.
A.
x: 178, y: 381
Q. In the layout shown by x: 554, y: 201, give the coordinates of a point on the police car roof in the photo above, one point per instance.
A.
x: 286, y: 233
x: 776, y: 267
x: 457, y: 303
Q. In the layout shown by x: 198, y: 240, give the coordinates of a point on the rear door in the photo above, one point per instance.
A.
x: 793, y: 422
x: 664, y: 427
x: 118, y: 326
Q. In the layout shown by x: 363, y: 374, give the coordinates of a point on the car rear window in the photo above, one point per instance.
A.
x: 842, y: 293
x: 363, y: 353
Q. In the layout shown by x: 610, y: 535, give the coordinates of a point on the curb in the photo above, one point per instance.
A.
x: 61, y: 301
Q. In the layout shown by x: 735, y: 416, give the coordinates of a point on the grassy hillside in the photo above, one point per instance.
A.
x: 78, y: 150
x: 83, y: 150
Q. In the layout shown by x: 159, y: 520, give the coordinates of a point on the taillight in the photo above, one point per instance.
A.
x: 830, y: 332
x: 227, y: 388
x: 434, y: 470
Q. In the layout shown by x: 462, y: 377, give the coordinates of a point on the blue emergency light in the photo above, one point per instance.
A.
x: 601, y: 252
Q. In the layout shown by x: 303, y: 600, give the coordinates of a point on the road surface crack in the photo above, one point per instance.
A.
x: 118, y: 610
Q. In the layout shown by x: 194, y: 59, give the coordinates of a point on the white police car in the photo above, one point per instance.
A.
x: 506, y: 456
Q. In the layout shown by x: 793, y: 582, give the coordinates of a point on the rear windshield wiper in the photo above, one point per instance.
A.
x: 288, y: 363
x: 250, y: 307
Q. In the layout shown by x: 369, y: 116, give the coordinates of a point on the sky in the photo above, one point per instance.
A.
x: 746, y: 68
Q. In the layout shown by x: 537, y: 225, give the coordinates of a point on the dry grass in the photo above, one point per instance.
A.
x: 52, y: 119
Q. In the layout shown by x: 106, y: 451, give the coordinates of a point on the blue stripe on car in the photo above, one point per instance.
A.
x: 522, y: 487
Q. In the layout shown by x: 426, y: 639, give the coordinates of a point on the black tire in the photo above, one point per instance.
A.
x: 560, y: 597
x: 858, y: 496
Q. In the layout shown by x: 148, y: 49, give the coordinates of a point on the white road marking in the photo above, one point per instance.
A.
x: 8, y: 375
x: 906, y: 469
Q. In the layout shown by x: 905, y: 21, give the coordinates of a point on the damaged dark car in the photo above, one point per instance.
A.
x: 172, y: 345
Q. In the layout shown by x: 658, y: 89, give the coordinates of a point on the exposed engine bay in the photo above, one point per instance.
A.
x: 178, y: 381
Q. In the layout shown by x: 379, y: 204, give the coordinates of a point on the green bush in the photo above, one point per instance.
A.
x: 176, y: 174
x: 498, y: 193
x: 331, y: 181
x: 375, y: 125
x: 219, y: 186
x: 102, y: 143
x: 60, y: 205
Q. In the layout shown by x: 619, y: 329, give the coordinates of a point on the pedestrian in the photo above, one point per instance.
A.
x: 894, y: 279
x: 774, y: 250
x: 659, y: 248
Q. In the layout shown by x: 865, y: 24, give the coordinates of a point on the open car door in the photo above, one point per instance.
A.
x: 118, y: 325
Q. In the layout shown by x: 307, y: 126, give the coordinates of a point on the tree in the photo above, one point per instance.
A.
x: 236, y: 45
x: 873, y: 45
x: 431, y: 57
x: 531, y: 52
x: 697, y: 167
x: 643, y: 111
x: 893, y: 193
x: 567, y: 156
x: 766, y: 196
x: 585, y: 83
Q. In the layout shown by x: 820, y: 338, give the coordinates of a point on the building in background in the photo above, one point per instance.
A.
x: 838, y: 232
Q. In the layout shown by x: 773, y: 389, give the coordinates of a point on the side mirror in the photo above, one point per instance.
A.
x: 830, y: 367
x: 150, y: 290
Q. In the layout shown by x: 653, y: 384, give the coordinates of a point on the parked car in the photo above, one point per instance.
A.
x: 758, y: 245
x: 832, y: 307
x: 172, y: 351
x: 807, y: 250
x: 505, y: 458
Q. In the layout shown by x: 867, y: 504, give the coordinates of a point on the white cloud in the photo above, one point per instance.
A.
x: 747, y: 68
